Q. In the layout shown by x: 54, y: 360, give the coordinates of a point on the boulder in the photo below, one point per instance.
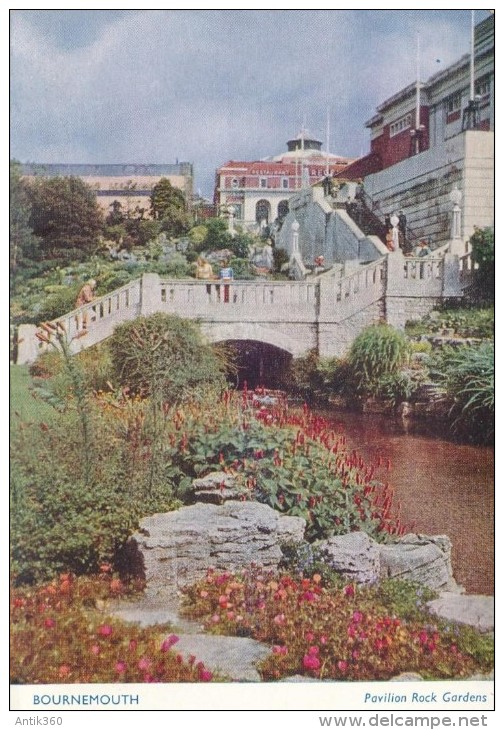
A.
x: 355, y: 556
x: 476, y: 611
x: 419, y: 558
x: 177, y: 548
x: 216, y: 488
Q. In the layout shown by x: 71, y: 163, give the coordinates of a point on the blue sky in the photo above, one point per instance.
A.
x: 206, y: 86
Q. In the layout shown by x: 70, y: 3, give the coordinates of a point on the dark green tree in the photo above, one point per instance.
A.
x: 23, y: 243
x: 66, y: 217
x: 218, y: 235
x: 164, y: 197
x: 483, y: 254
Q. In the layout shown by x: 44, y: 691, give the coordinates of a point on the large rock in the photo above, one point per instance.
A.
x: 177, y: 548
x: 477, y: 611
x: 355, y: 556
x: 419, y: 558
x: 216, y: 488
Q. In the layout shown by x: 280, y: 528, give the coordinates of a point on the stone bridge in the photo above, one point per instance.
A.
x: 324, y: 312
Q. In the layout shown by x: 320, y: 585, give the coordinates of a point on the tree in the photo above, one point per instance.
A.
x: 218, y: 235
x: 483, y: 254
x: 66, y: 216
x: 164, y: 197
x: 23, y: 243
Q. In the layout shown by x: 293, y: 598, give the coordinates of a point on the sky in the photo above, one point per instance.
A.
x: 208, y: 86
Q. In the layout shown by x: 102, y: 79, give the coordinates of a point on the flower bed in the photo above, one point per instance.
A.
x: 59, y: 635
x: 341, y: 633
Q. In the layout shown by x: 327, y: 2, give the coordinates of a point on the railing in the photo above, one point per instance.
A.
x: 102, y: 314
x: 423, y: 268
x: 353, y: 286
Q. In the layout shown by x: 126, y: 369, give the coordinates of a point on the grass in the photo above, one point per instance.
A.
x: 24, y: 405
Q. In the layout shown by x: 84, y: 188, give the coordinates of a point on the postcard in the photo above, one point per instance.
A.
x: 252, y: 365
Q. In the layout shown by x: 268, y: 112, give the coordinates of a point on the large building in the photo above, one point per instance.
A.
x: 258, y: 191
x: 130, y: 185
x: 432, y: 137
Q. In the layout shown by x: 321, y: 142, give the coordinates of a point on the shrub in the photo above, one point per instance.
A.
x: 483, y: 254
x: 379, y: 350
x: 164, y: 356
x: 59, y: 302
x: 467, y: 373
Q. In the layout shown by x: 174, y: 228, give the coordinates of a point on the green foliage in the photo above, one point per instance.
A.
x: 241, y: 269
x: 23, y: 243
x: 66, y: 217
x: 58, y: 302
x: 280, y: 257
x: 240, y: 245
x: 393, y: 387
x: 379, y: 350
x: 164, y: 356
x: 218, y: 236
x: 198, y: 234
x: 467, y: 321
x: 404, y: 598
x: 483, y: 254
x: 467, y: 373
x: 168, y: 205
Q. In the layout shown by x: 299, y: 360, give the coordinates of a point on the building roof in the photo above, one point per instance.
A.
x: 106, y: 170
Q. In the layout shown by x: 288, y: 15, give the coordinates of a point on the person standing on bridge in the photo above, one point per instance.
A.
x: 85, y: 296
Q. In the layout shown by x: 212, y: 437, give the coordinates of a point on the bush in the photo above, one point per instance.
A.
x: 483, y: 254
x: 59, y: 302
x: 379, y: 350
x: 164, y: 356
x: 467, y: 373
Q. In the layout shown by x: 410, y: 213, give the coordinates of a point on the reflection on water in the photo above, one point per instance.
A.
x: 443, y: 488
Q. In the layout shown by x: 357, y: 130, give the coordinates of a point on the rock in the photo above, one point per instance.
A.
x: 231, y: 656
x: 177, y: 548
x: 355, y: 556
x: 407, y: 677
x: 216, y: 488
x: 473, y: 610
x: 419, y: 558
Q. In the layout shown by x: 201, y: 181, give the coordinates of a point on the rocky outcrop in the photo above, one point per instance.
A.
x: 355, y: 556
x: 421, y: 559
x: 177, y: 548
x: 216, y: 488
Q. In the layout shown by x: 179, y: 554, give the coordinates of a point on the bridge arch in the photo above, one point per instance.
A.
x: 221, y: 332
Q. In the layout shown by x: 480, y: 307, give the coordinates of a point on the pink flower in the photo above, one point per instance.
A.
x: 308, y: 596
x: 105, y: 630
x: 133, y: 644
x: 355, y: 654
x: 215, y: 618
x: 311, y: 662
x: 280, y: 650
x: 95, y: 649
x: 309, y: 636
x: 120, y: 667
x: 205, y: 675
x: 323, y: 639
x: 230, y: 615
x: 279, y: 619
x: 49, y: 623
x: 357, y: 617
x: 423, y: 637
x: 349, y: 590
x: 261, y: 605
x: 169, y: 642
x: 144, y: 663
x: 313, y: 650
x: 203, y: 594
x: 342, y: 666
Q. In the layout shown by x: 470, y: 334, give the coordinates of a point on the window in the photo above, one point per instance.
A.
x: 482, y: 89
x: 285, y: 183
x: 453, y: 107
x: 400, y: 125
x: 263, y: 182
x: 234, y: 183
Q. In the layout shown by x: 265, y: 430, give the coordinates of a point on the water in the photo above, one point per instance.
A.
x: 443, y: 488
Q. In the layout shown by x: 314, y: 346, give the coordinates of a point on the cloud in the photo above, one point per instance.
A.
x: 208, y: 86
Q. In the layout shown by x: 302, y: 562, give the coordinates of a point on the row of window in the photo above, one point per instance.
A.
x: 263, y: 181
x: 400, y: 125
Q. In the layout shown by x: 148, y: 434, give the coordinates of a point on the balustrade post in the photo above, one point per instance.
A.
x: 150, y: 294
x: 452, y: 286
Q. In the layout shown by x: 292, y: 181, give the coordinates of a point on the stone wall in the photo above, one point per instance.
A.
x: 421, y: 186
x: 335, y: 339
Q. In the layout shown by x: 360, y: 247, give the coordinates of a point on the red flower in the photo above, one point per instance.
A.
x: 144, y: 663
x: 357, y: 617
x: 169, y: 642
x: 313, y: 650
x: 105, y: 630
x: 342, y: 666
x: 120, y: 667
x: 349, y: 590
x: 280, y: 650
x: 49, y: 623
x: 310, y: 661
